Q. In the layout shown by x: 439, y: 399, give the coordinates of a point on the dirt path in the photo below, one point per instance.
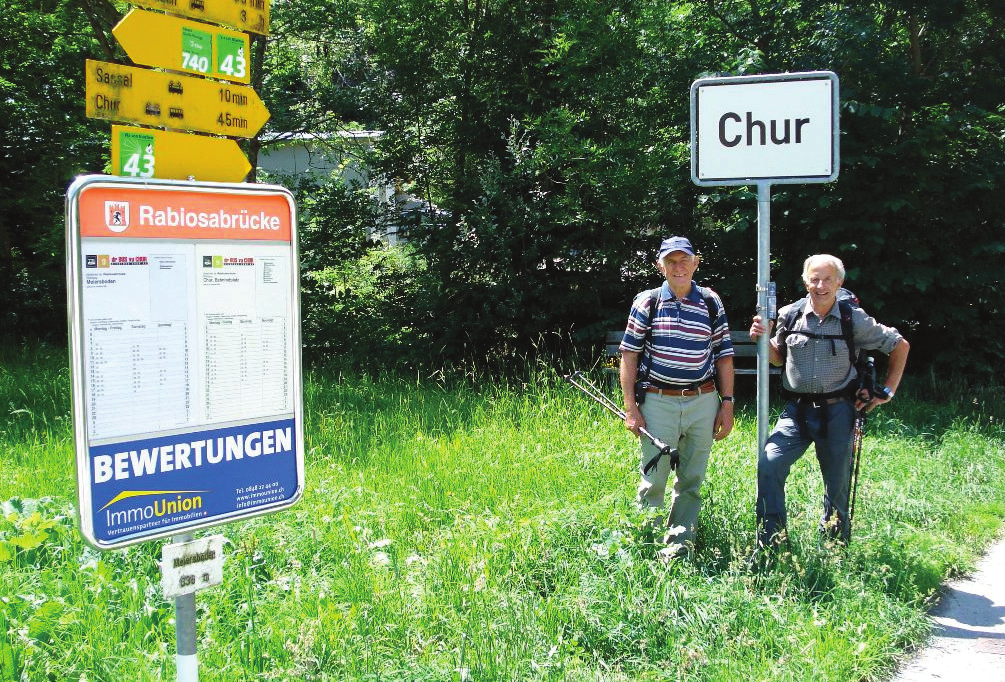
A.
x: 968, y: 642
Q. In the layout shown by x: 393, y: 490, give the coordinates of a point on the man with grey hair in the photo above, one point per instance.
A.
x: 820, y: 381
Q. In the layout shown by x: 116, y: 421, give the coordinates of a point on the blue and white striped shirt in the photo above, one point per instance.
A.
x: 683, y: 347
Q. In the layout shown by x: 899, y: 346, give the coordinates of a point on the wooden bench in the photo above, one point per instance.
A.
x: 744, y: 354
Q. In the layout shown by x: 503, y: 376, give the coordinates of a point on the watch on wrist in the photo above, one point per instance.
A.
x: 727, y: 399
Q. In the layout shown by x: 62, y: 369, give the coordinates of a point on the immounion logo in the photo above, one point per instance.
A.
x: 169, y: 503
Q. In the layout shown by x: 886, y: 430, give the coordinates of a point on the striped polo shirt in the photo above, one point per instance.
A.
x: 682, y: 349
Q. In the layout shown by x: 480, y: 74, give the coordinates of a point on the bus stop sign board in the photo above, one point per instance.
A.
x: 185, y: 355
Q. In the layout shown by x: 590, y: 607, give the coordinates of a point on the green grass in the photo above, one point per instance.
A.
x: 489, y: 533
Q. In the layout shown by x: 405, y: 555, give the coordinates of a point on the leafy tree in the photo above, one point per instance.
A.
x: 535, y: 130
x: 550, y: 144
x: 310, y: 72
x: 553, y: 139
x: 45, y: 141
x: 350, y: 283
x: 916, y: 211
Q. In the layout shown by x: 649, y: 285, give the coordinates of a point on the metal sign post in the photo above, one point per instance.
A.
x: 766, y: 306
x: 764, y: 130
x: 186, y: 657
x: 188, y: 566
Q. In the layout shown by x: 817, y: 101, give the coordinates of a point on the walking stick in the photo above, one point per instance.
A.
x: 856, y: 458
x: 866, y: 392
x: 579, y: 380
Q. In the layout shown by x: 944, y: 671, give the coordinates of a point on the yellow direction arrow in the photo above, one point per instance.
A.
x: 182, y: 45
x: 244, y: 15
x: 131, y: 95
x: 149, y: 153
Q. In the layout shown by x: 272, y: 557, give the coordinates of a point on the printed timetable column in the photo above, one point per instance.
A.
x: 139, y: 377
x: 245, y: 327
x: 138, y: 345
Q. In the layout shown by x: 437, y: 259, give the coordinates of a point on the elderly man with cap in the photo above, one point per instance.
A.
x: 677, y: 343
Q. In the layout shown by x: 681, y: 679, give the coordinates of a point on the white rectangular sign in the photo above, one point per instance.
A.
x: 187, y: 567
x: 779, y: 128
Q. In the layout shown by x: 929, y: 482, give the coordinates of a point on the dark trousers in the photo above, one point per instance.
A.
x: 828, y: 427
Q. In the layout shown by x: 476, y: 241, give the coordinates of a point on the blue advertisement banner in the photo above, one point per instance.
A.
x: 157, y: 485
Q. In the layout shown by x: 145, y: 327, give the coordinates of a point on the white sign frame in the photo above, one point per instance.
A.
x: 171, y: 434
x: 745, y: 129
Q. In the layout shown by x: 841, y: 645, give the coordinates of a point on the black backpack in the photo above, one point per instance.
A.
x: 846, y: 302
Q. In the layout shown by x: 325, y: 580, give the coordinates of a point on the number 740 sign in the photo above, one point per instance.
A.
x: 178, y: 44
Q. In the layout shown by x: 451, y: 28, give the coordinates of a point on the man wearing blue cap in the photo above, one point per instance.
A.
x: 677, y: 342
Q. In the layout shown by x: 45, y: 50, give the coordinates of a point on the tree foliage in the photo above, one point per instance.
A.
x: 45, y: 141
x: 916, y: 212
x: 554, y: 135
x: 549, y: 144
x: 537, y: 130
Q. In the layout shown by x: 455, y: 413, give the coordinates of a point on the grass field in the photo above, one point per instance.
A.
x: 488, y: 532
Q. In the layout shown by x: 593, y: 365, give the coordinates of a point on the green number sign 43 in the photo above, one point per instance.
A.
x: 137, y: 155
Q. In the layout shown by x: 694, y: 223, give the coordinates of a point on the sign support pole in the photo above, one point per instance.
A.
x: 730, y: 118
x: 187, y: 662
x: 765, y: 310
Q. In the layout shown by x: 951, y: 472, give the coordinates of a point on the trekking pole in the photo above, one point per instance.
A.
x: 866, y: 392
x: 579, y: 380
x: 856, y: 458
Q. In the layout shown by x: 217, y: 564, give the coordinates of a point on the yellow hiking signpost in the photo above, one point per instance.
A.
x: 150, y: 153
x: 244, y: 15
x: 178, y: 44
x: 171, y: 105
x: 131, y: 95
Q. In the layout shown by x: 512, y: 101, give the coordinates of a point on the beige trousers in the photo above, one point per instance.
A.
x: 686, y: 423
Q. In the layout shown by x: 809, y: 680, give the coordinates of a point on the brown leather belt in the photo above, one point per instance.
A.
x: 707, y: 387
x: 822, y: 401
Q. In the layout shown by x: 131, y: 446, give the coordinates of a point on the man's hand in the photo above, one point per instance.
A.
x: 870, y: 403
x: 757, y: 328
x: 634, y: 420
x: 723, y: 421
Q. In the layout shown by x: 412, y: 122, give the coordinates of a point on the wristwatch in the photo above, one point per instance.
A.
x: 727, y: 399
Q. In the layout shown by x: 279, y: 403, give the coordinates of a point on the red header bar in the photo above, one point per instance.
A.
x: 147, y: 212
